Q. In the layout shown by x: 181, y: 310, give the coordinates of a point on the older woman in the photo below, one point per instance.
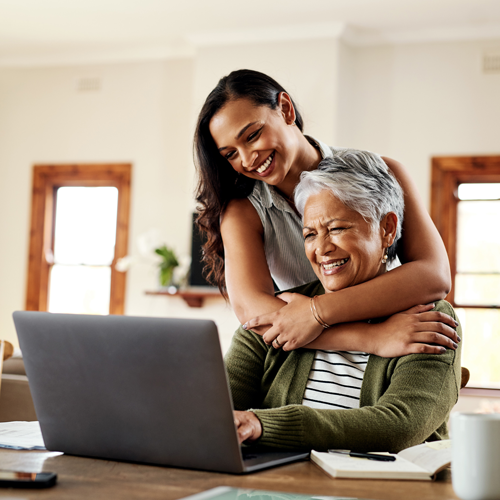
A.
x: 352, y: 210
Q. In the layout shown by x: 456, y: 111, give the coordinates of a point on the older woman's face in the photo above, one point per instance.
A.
x: 342, y: 247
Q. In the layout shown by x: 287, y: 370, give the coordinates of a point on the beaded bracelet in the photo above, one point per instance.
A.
x: 316, y: 315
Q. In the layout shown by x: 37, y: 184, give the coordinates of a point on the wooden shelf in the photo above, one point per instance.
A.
x: 194, y: 297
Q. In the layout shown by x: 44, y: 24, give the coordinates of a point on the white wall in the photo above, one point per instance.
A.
x: 415, y: 101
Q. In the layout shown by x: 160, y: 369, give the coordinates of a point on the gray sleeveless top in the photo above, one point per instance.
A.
x: 283, y: 241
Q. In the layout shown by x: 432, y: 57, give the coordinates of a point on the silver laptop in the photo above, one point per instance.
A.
x: 148, y: 390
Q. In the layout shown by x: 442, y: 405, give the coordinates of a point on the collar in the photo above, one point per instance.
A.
x: 324, y: 149
x: 269, y: 196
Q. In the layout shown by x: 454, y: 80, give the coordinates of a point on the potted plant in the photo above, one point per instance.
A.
x: 167, y: 265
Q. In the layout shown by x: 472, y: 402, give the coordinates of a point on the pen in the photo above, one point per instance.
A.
x: 369, y: 456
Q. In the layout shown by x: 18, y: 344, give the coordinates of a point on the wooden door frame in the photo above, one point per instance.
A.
x: 46, y: 180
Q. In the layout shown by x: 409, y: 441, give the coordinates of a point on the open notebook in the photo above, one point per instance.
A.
x: 422, y: 462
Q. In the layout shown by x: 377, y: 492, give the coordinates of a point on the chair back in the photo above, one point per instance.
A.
x: 465, y: 377
x: 6, y: 351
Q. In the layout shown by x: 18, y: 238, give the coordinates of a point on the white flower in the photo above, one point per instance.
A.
x: 125, y: 263
x: 147, y: 242
x: 182, y: 270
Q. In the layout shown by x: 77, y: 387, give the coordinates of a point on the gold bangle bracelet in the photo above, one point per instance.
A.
x: 316, y: 315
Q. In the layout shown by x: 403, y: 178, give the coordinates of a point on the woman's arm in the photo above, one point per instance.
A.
x: 245, y: 363
x: 423, y: 278
x: 248, y: 280
x: 416, y: 404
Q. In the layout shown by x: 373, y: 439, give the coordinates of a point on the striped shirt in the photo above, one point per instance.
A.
x: 283, y: 240
x: 335, y: 380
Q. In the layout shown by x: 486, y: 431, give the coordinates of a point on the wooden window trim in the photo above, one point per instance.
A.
x: 46, y: 180
x: 447, y: 173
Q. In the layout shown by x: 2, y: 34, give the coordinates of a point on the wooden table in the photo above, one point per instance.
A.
x: 93, y: 479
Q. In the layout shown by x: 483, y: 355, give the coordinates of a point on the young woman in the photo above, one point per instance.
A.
x: 250, y: 152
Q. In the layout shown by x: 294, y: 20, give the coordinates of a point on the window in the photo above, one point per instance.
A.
x: 465, y: 206
x: 84, y: 249
x: 79, y: 228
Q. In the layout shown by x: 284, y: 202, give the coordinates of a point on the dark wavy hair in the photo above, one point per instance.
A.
x: 218, y: 183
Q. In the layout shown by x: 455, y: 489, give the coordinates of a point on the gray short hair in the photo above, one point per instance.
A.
x: 362, y: 182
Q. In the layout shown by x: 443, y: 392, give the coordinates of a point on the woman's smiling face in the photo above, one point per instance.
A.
x: 259, y: 142
x: 342, y: 247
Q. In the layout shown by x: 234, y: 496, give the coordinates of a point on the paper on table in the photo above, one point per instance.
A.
x: 21, y: 436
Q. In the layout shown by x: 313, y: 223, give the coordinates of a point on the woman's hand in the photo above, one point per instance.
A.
x: 248, y: 426
x: 415, y: 331
x: 290, y: 327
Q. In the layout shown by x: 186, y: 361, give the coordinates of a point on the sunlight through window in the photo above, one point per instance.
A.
x: 84, y: 249
x: 477, y: 280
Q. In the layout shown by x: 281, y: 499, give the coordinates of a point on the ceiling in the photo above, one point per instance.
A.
x: 72, y: 31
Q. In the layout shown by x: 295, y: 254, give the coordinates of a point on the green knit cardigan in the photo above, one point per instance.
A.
x: 403, y: 402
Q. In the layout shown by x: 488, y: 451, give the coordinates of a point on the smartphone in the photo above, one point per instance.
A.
x: 13, y: 479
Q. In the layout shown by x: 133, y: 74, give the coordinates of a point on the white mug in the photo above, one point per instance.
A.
x: 475, y: 465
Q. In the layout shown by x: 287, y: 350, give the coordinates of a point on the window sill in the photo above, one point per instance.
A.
x: 480, y: 392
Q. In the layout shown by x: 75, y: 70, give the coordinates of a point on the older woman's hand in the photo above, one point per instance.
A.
x: 248, y: 426
x: 292, y: 326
